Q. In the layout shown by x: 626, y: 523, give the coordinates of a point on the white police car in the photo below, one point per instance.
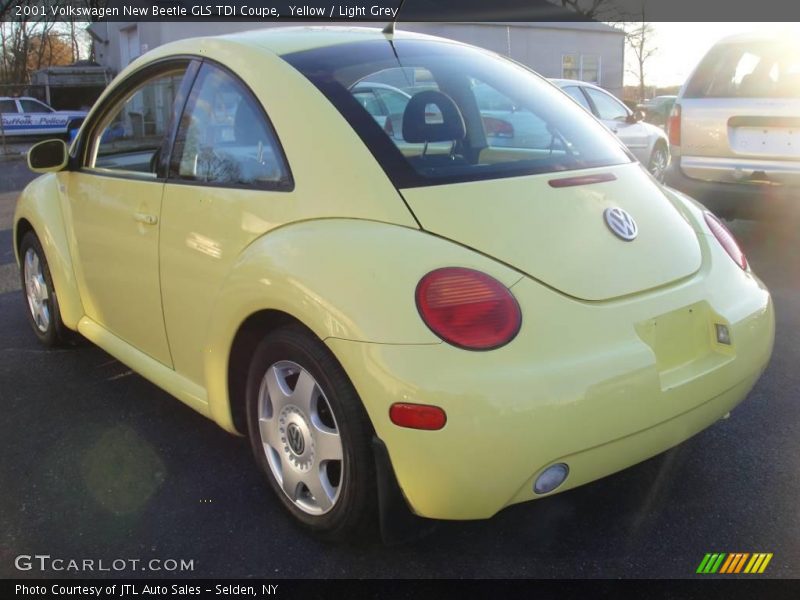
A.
x: 29, y: 116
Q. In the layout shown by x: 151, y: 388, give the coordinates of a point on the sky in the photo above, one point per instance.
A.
x: 682, y: 45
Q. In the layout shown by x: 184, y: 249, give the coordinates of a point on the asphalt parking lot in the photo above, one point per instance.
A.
x: 98, y: 463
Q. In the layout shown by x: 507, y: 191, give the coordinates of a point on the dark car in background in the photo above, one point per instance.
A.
x: 656, y: 110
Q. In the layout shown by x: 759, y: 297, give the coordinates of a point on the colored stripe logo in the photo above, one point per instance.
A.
x: 734, y: 563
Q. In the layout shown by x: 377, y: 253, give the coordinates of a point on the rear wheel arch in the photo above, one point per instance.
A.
x: 247, y: 338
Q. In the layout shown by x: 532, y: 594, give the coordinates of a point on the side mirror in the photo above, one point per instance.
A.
x: 49, y: 156
x: 635, y: 117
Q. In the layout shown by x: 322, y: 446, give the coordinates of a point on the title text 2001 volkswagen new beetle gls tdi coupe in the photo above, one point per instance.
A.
x: 387, y: 302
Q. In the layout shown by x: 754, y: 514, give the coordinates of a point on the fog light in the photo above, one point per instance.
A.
x: 552, y: 477
x: 723, y: 335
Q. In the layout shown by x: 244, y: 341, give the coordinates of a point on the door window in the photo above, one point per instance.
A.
x: 576, y: 94
x: 224, y: 137
x: 131, y: 133
x: 508, y: 125
x: 608, y: 107
x: 32, y: 106
x: 370, y: 103
x: 394, y: 101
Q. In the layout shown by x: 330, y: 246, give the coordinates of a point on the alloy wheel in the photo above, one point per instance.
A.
x: 659, y: 162
x: 300, y: 437
x: 36, y: 290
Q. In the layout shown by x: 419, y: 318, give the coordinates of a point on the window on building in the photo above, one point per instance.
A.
x: 590, y: 69
x: 583, y: 67
x: 570, y: 67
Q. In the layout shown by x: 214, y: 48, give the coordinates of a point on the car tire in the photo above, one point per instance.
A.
x: 39, y: 295
x: 311, y: 436
x: 659, y: 161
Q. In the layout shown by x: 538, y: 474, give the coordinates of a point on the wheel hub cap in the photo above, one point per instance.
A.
x: 36, y: 291
x: 300, y: 438
x: 295, y: 431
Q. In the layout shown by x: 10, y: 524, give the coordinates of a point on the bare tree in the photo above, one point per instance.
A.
x: 38, y: 40
x: 587, y: 8
x: 600, y: 10
x: 639, y: 38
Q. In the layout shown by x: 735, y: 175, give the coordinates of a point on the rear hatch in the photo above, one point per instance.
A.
x: 740, y: 114
x: 558, y: 234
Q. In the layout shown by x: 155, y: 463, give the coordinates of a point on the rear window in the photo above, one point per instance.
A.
x: 748, y: 70
x: 436, y: 112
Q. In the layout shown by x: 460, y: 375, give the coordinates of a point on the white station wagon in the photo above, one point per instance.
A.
x: 29, y: 116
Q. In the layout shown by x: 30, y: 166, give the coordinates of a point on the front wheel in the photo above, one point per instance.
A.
x: 659, y: 161
x: 310, y: 434
x: 40, y: 295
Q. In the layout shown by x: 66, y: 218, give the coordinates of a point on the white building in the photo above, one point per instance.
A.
x: 589, y: 51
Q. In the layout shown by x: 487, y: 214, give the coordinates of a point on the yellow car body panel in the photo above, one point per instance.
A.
x: 599, y: 383
x: 204, y: 230
x: 117, y: 256
x: 516, y: 410
x: 293, y: 268
x: 574, y: 255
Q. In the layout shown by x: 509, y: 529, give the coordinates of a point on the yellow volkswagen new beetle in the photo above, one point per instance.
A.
x: 411, y: 299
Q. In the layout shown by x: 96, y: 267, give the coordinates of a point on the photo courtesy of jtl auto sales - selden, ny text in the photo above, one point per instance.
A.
x: 391, y: 299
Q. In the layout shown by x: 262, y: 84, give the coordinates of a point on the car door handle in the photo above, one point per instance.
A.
x: 145, y: 218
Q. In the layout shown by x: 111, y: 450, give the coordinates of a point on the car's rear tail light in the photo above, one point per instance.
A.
x: 498, y: 128
x: 467, y: 308
x: 674, y: 125
x: 417, y: 416
x: 726, y: 240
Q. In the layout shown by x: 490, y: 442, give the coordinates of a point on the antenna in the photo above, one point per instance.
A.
x: 389, y: 29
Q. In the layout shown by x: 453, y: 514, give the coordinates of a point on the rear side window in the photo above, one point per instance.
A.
x: 224, y: 137
x: 451, y: 113
x: 8, y: 106
x: 748, y: 70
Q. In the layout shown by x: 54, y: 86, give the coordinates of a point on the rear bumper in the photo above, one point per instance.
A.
x: 730, y: 199
x: 599, y: 386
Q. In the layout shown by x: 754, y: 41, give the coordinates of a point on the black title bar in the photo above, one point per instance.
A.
x: 407, y: 10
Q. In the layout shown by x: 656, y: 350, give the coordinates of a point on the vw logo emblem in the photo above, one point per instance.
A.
x: 295, y: 438
x: 621, y: 224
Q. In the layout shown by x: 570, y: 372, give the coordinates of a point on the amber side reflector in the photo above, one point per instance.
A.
x: 582, y: 180
x: 417, y: 416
